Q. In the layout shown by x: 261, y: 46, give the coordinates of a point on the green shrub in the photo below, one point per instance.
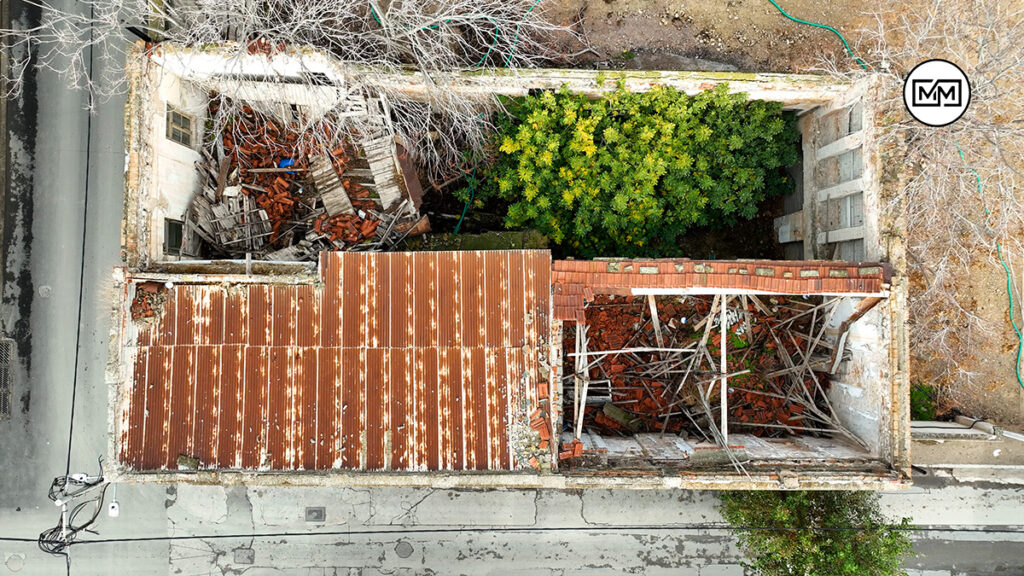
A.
x: 627, y: 174
x: 922, y: 402
x: 816, y: 533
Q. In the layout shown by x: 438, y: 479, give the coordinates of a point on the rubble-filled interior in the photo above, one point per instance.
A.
x: 643, y: 379
x: 268, y: 193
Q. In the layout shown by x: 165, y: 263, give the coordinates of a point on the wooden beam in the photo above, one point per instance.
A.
x: 725, y: 377
x: 655, y: 320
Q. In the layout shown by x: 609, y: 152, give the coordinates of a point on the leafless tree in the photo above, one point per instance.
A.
x: 369, y: 37
x: 951, y: 230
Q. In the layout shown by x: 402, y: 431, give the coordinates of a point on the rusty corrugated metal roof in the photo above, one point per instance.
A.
x: 401, y: 361
x: 574, y: 282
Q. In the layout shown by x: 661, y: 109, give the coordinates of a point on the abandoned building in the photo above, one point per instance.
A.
x: 338, y: 359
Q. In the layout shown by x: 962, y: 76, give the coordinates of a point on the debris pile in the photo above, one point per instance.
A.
x: 273, y: 194
x: 655, y: 364
x: 149, y: 299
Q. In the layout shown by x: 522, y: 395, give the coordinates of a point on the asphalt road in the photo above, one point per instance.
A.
x: 61, y: 154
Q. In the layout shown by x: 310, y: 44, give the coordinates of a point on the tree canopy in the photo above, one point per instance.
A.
x: 816, y: 533
x: 627, y: 174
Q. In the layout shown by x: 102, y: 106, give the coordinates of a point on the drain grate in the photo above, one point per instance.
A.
x: 6, y: 359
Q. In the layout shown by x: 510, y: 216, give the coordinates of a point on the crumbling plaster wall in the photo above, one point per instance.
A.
x: 857, y: 391
x: 841, y: 190
x: 306, y: 79
x: 838, y: 211
x: 171, y: 179
x: 870, y: 391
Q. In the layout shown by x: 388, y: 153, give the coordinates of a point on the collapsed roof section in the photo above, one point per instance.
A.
x: 260, y: 163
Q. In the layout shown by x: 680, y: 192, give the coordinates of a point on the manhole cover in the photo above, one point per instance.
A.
x: 403, y: 549
x: 316, y: 514
x: 245, y: 555
x: 15, y: 562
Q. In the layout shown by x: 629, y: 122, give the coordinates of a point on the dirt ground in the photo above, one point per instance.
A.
x: 991, y: 392
x: 750, y: 35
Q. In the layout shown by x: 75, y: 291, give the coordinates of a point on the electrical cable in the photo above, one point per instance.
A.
x: 81, y: 268
x: 523, y: 529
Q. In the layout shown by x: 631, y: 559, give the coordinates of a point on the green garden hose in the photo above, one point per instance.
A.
x: 823, y: 26
x: 1009, y: 281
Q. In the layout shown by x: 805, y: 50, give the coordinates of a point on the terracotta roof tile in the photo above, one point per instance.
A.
x: 596, y: 277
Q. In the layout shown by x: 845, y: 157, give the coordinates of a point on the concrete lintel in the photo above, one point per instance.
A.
x: 219, y: 279
x: 841, y: 189
x: 844, y: 144
x: 795, y: 91
x: 695, y: 480
x: 705, y: 291
x: 841, y: 235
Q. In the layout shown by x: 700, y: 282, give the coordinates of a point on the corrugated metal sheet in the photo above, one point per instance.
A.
x: 403, y: 361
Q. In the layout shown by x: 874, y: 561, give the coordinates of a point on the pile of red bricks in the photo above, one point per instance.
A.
x: 148, y: 297
x: 255, y: 142
x: 616, y: 323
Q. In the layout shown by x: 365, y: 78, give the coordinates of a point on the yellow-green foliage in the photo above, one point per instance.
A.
x: 627, y: 174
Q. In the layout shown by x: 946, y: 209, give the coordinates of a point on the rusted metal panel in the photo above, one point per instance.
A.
x: 417, y: 416
x: 352, y: 388
x: 254, y: 392
x: 395, y: 314
x: 133, y: 436
x: 158, y: 380
x: 476, y: 402
x: 179, y: 416
x: 378, y: 304
x: 306, y: 380
x: 230, y: 424
x: 469, y: 286
x: 307, y: 311
x: 209, y: 315
x: 204, y: 434
x: 184, y: 328
x: 328, y: 407
x: 236, y: 317
x: 429, y: 403
x: 449, y: 304
x: 376, y: 401
x: 167, y: 323
x: 497, y: 400
x: 283, y: 315
x: 396, y: 361
x: 425, y: 317
x: 517, y: 298
x: 449, y: 387
x: 258, y: 316
x: 399, y: 401
x: 278, y: 406
x: 331, y: 298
